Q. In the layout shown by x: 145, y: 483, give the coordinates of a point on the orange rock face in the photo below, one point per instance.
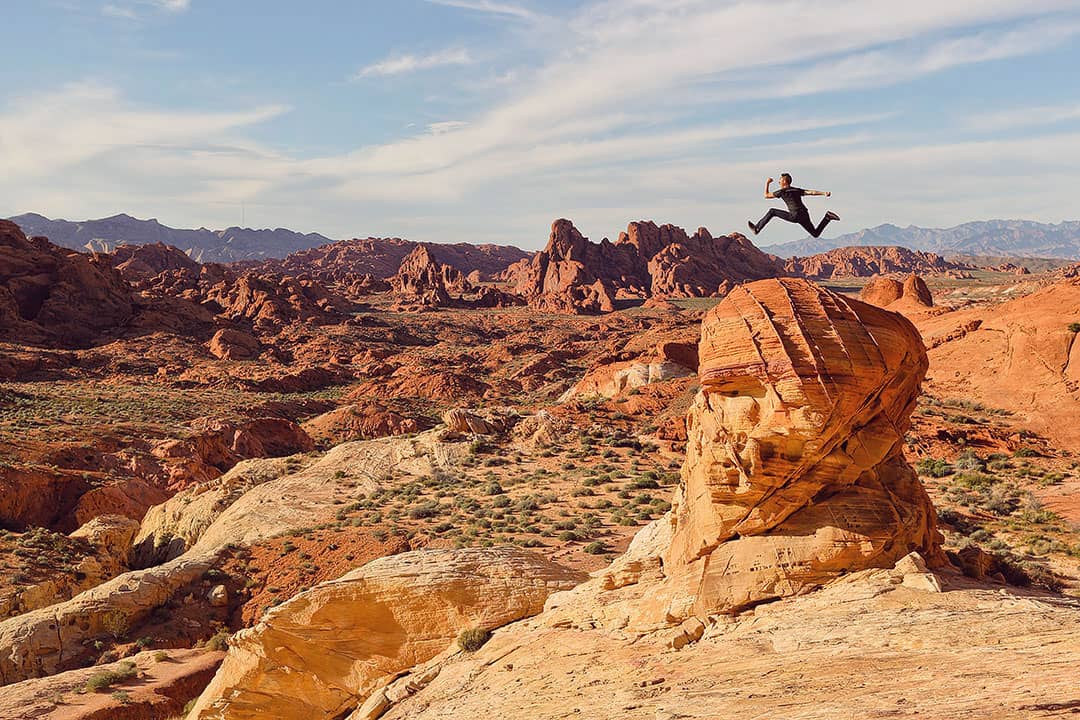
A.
x: 794, y: 471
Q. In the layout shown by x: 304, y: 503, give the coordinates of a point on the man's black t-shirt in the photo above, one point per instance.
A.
x: 793, y: 197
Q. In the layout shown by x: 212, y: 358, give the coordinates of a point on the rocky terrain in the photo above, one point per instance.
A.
x: 868, y: 261
x: 404, y: 489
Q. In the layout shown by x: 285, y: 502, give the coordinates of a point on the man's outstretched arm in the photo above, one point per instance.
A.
x: 768, y: 192
x: 826, y: 193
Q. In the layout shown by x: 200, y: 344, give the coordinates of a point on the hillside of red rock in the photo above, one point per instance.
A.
x: 866, y: 261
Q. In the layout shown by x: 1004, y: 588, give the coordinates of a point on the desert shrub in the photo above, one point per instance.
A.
x: 1025, y: 452
x: 115, y: 623
x: 219, y: 641
x: 968, y: 460
x: 101, y: 681
x: 473, y: 639
x: 1074, y: 327
x: 161, y: 656
x: 644, y: 483
x: 934, y: 467
x: 122, y: 697
x: 424, y: 511
x: 569, y: 536
x: 501, y: 501
x: 595, y: 548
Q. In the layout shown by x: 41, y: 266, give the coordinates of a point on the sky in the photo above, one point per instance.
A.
x: 485, y: 120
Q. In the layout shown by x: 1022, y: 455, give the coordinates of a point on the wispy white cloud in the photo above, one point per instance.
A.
x: 130, y: 9
x: 490, y: 6
x: 1024, y: 117
x: 402, y: 64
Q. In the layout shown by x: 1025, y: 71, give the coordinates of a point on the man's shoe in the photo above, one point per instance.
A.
x: 753, y: 227
x: 832, y: 216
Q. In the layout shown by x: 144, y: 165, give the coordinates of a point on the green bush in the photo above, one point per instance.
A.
x: 595, y: 548
x: 934, y: 467
x: 473, y: 639
x: 99, y: 682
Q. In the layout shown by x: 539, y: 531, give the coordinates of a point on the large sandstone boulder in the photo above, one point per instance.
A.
x: 795, y: 472
x: 322, y: 653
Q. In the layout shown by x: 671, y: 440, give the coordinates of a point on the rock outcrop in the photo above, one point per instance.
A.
x: 574, y: 275
x: 57, y: 296
x: 795, y: 472
x: 324, y: 652
x: 698, y: 265
x: 423, y: 278
x: 887, y: 292
x: 139, y: 262
x: 869, y: 260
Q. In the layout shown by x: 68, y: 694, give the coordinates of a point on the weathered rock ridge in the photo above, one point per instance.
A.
x: 865, y: 261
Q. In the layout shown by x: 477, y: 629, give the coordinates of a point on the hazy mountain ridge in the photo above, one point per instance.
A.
x: 201, y: 245
x: 1002, y: 238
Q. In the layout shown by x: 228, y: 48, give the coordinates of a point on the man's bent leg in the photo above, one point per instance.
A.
x: 773, y: 213
x: 808, y: 224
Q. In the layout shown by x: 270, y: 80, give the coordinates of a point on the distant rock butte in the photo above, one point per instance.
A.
x: 573, y: 274
x: 866, y: 261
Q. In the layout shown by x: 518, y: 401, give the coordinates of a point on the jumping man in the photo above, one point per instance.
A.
x: 796, y: 212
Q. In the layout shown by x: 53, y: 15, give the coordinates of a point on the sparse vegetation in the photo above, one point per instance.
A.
x: 473, y: 639
x: 101, y: 681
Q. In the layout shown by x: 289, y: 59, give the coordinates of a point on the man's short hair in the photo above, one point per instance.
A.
x: 786, y: 176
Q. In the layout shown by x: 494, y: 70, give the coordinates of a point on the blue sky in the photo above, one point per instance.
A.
x: 484, y: 120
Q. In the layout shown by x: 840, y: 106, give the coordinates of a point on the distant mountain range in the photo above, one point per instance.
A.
x: 1002, y: 238
x: 201, y: 245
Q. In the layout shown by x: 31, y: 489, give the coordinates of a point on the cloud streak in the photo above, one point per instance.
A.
x: 490, y: 6
x: 404, y: 64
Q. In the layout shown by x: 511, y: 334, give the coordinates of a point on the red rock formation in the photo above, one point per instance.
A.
x: 697, y: 266
x: 422, y: 277
x: 217, y: 446
x: 138, y: 262
x: 882, y: 291
x: 889, y: 292
x: 347, y: 261
x: 234, y: 345
x: 795, y: 471
x: 49, y: 295
x: 574, y: 275
x: 266, y: 302
x: 363, y: 421
x: 865, y: 261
